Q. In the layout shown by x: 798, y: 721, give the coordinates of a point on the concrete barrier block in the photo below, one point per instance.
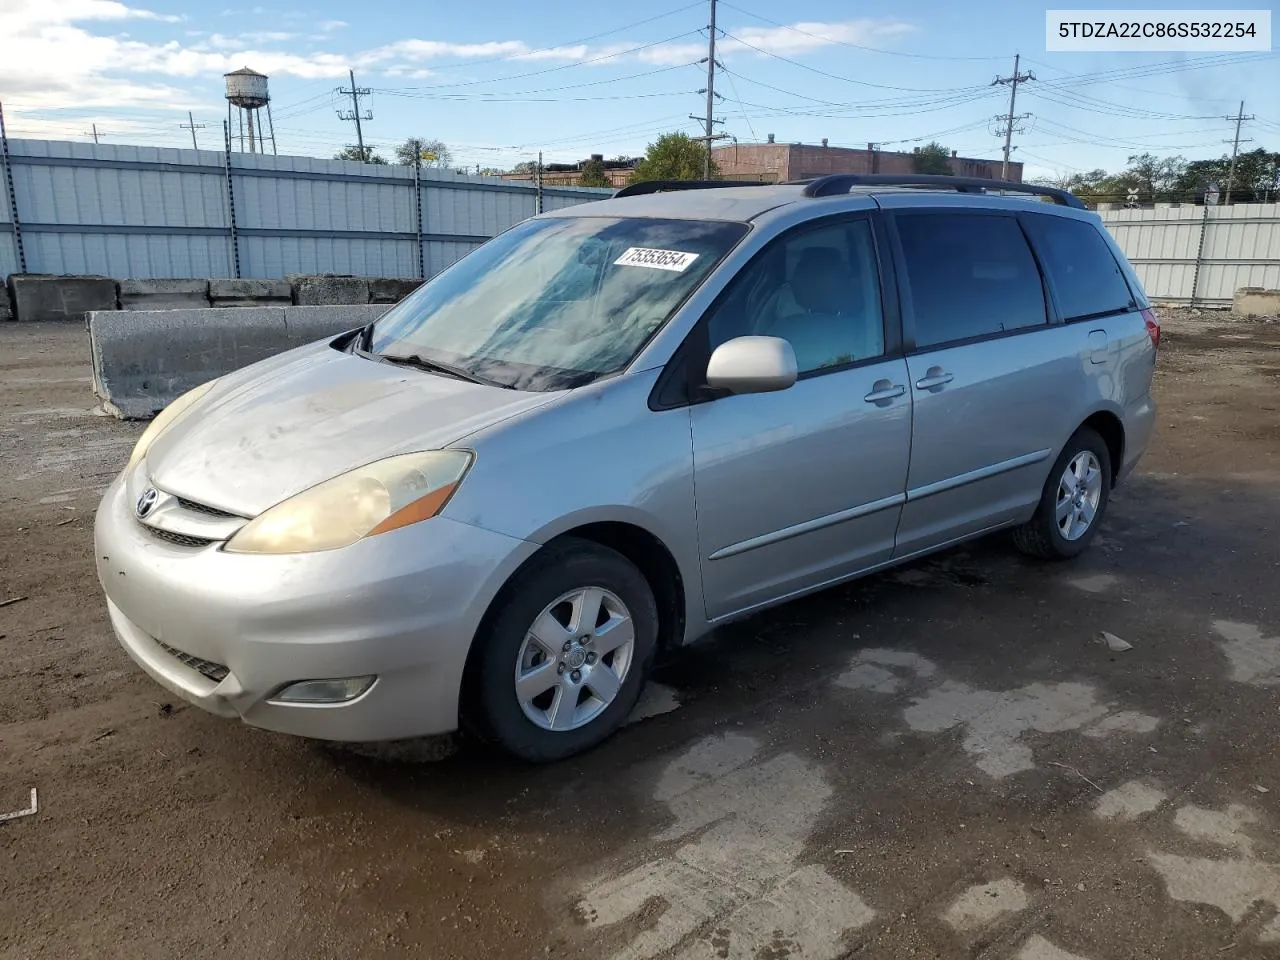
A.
x: 143, y: 360
x: 163, y: 294
x: 250, y: 293
x: 325, y: 290
x: 392, y: 289
x: 5, y: 312
x: 1256, y: 302
x: 38, y: 297
x: 308, y: 324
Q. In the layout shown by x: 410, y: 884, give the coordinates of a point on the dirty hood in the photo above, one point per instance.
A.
x: 277, y: 427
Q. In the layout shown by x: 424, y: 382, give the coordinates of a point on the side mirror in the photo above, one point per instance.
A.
x: 752, y: 365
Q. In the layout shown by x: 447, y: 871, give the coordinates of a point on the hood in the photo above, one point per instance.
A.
x: 280, y: 426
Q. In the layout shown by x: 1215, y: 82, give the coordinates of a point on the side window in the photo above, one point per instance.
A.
x: 1086, y: 278
x: 818, y: 289
x: 970, y: 276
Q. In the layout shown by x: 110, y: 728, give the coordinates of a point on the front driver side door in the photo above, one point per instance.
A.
x: 804, y: 486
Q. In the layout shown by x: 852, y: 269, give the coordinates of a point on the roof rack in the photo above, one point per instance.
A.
x: 838, y: 183
x: 662, y: 186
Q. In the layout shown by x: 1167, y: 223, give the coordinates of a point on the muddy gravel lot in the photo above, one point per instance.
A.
x: 941, y: 761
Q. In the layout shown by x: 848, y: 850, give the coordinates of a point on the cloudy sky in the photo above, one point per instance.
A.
x: 502, y: 80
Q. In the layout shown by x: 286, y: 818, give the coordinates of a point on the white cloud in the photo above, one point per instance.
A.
x: 802, y: 37
x: 72, y: 53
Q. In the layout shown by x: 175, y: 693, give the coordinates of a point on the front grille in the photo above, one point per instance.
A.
x: 206, y: 510
x: 181, y: 539
x: 214, y: 671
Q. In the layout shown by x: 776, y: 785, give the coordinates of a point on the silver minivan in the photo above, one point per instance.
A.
x: 614, y: 427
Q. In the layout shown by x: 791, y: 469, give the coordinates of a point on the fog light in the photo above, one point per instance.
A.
x: 324, y: 691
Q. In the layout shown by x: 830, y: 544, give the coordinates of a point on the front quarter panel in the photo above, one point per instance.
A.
x: 598, y: 455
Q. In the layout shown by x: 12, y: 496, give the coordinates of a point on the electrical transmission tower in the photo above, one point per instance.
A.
x: 1008, y: 122
x: 709, y: 121
x: 1239, y: 118
x: 355, y: 93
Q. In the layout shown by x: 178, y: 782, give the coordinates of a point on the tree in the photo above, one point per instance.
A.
x: 1156, y: 178
x: 593, y: 175
x: 526, y: 166
x: 1256, y: 179
x: 368, y: 155
x: 673, y: 156
x: 933, y: 157
x: 429, y: 153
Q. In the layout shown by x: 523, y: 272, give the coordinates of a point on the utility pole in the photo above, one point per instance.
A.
x: 355, y: 93
x: 1239, y: 118
x: 193, y: 127
x: 1010, y: 118
x: 709, y: 121
x: 537, y: 197
x: 93, y: 132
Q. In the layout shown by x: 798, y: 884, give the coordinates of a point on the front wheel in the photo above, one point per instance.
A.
x: 563, y: 661
x: 1073, y: 502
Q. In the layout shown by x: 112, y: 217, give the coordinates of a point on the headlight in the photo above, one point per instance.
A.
x: 369, y: 500
x: 165, y: 419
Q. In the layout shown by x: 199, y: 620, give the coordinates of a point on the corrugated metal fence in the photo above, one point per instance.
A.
x: 1200, y: 254
x: 147, y: 213
x: 150, y: 213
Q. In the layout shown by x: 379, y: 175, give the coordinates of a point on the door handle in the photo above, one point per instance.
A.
x: 884, y: 390
x: 934, y: 378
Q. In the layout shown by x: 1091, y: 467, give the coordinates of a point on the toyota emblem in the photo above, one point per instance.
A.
x: 146, y: 502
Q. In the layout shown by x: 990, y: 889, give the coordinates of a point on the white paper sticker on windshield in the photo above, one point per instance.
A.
x: 657, y: 259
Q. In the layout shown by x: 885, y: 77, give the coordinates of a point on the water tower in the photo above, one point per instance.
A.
x: 247, y: 93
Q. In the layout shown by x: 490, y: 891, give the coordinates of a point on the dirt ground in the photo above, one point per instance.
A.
x: 942, y: 761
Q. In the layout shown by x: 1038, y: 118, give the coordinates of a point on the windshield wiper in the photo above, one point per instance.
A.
x: 435, y: 366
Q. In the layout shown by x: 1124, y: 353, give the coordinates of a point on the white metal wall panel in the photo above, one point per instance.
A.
x: 139, y: 256
x: 8, y: 253
x: 441, y: 254
x: 558, y: 201
x: 1241, y: 249
x: 267, y: 257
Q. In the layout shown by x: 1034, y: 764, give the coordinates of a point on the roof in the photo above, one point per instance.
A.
x: 244, y: 72
x: 698, y: 201
x: 722, y: 203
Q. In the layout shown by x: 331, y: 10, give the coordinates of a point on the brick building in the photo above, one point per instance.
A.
x: 771, y: 162
x: 568, y: 174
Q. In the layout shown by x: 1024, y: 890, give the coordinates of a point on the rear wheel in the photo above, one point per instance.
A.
x: 1073, y: 502
x: 563, y: 661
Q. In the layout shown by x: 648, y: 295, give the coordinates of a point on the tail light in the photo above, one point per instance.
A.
x: 1153, y: 326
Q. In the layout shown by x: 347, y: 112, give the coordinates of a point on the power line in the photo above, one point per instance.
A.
x: 836, y: 76
x: 845, y: 43
x: 1011, y: 118
x: 566, y: 66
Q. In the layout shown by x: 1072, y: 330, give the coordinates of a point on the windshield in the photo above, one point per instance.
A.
x: 554, y: 304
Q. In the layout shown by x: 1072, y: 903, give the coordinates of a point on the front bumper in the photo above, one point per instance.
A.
x: 403, y: 606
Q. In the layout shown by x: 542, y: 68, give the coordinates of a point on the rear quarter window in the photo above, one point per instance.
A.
x: 970, y: 275
x: 1087, y: 280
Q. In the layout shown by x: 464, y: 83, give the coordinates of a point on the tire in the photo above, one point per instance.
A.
x: 1044, y: 535
x: 559, y: 584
